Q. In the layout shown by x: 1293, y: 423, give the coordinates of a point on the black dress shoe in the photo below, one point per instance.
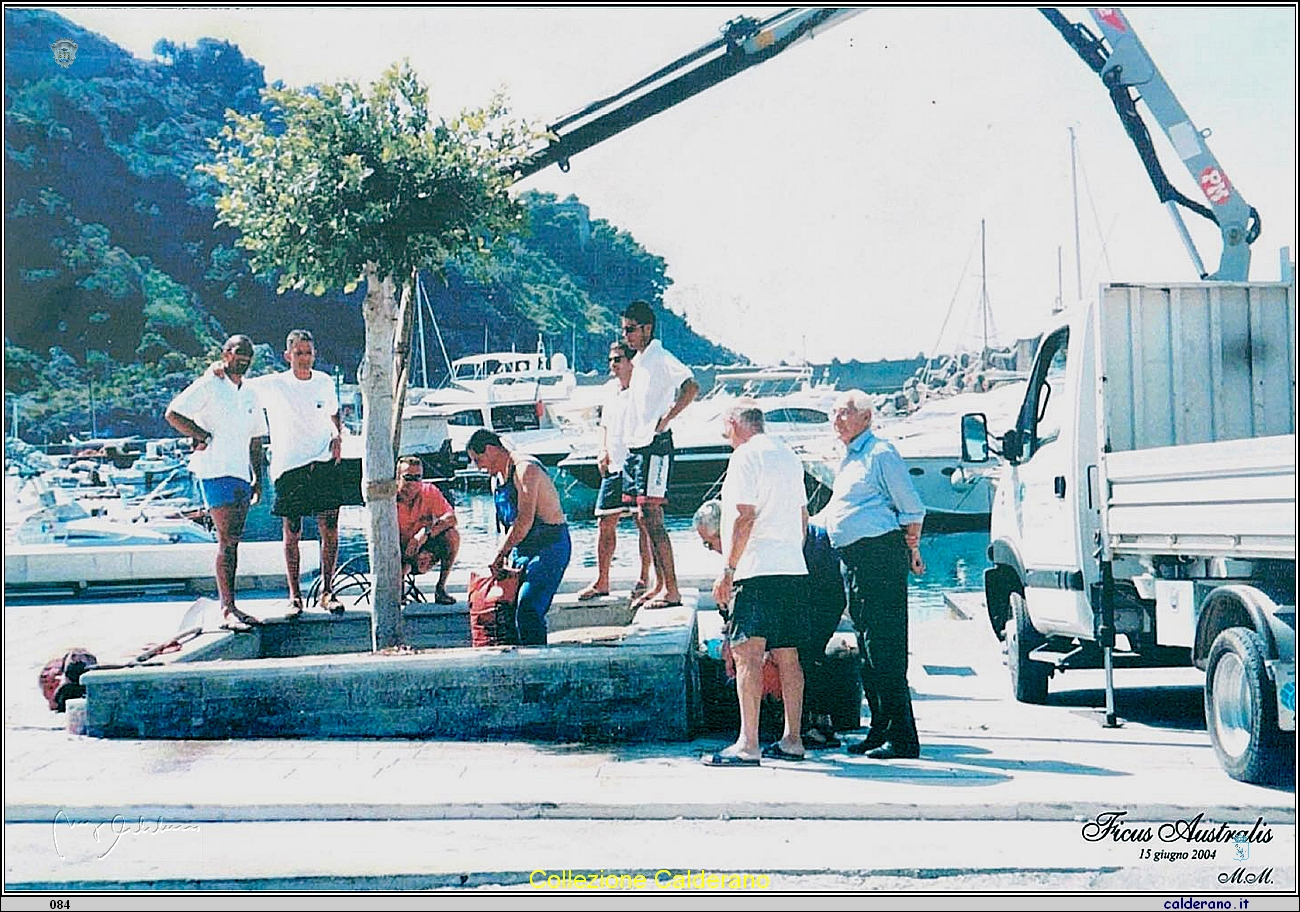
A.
x: 891, y: 751
x: 873, y: 740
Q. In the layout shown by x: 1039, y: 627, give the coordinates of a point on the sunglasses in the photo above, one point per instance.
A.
x: 412, y: 477
x: 615, y: 359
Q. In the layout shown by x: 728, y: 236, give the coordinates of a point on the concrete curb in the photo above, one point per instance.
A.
x: 1041, y: 811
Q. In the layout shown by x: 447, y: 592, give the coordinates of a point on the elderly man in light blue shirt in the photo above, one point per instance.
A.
x: 874, y: 522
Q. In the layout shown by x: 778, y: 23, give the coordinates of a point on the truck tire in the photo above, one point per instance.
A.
x: 1240, y: 706
x: 1028, y: 678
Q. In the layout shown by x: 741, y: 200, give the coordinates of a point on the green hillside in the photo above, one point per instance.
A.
x: 118, y: 287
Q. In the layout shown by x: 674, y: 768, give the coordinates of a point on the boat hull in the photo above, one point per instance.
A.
x: 954, y: 500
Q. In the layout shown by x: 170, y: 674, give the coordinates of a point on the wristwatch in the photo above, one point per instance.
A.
x: 729, y: 571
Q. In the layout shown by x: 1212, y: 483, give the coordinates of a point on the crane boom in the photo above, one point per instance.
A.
x: 745, y: 42
x: 1118, y: 57
x: 1124, y: 66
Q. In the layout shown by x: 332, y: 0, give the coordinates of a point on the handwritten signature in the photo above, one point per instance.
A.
x: 82, y: 840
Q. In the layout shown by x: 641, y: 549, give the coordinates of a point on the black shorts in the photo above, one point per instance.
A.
x: 609, y: 499
x: 771, y: 607
x: 438, y: 548
x: 317, y: 487
x: 645, y: 474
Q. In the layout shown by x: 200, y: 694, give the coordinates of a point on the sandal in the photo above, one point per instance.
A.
x: 443, y: 597
x: 775, y: 751
x: 728, y: 760
x: 591, y: 592
x: 638, y: 600
x: 237, y: 621
x: 295, y: 608
x: 816, y: 739
x: 330, y: 602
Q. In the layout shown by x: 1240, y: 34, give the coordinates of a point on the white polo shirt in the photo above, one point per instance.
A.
x: 766, y: 473
x: 232, y: 415
x: 300, y: 414
x: 656, y: 378
x: 613, y: 418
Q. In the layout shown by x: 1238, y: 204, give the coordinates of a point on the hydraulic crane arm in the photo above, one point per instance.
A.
x: 744, y: 43
x: 1118, y: 57
x: 1125, y: 66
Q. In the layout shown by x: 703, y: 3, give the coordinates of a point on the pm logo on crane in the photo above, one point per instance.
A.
x: 1215, y: 186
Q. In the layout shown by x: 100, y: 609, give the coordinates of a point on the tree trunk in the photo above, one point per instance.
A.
x: 375, y: 378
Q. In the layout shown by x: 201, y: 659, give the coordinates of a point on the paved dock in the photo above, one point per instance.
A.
x: 1013, y: 788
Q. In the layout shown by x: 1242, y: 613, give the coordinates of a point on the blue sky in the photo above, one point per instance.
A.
x: 828, y: 202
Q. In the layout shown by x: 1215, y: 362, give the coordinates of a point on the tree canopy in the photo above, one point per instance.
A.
x: 354, y: 177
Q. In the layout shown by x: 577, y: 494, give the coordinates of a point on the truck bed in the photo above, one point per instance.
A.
x: 1198, y: 405
x: 1232, y: 498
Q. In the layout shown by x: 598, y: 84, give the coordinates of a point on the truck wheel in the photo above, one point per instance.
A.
x: 1028, y: 678
x: 1240, y: 707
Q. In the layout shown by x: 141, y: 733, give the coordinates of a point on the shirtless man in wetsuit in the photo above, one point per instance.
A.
x: 536, y: 531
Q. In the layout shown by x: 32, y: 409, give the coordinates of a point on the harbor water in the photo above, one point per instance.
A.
x: 955, y: 561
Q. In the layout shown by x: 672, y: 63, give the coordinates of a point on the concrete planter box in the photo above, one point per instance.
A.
x: 310, y: 678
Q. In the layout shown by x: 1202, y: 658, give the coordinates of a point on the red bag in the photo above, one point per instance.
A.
x: 61, y: 677
x: 492, y: 608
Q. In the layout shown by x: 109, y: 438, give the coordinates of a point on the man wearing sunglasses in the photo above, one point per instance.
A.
x: 660, y: 388
x: 612, y: 457
x: 426, y: 526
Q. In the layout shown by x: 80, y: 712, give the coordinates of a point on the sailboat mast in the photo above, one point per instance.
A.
x: 984, y: 293
x: 1060, y: 282
x: 1074, y: 188
x: 419, y: 325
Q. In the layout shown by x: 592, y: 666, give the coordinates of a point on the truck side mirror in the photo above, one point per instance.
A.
x: 974, y: 438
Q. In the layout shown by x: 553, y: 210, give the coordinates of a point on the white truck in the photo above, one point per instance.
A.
x: 1146, y: 509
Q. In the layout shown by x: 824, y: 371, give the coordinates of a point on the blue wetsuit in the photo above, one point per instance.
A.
x: 543, y: 556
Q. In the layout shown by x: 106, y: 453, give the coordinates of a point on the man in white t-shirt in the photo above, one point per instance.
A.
x: 660, y: 388
x: 613, y: 455
x: 302, y: 411
x: 222, y: 417
x: 765, y: 582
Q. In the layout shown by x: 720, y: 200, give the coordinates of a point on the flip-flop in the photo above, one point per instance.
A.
x: 775, y: 751
x: 639, y: 589
x: 637, y: 601
x: 591, y: 592
x: 233, y: 615
x: 330, y: 602
x: 660, y: 603
x: 237, y: 621
x: 728, y: 760
x: 295, y: 608
x: 816, y: 739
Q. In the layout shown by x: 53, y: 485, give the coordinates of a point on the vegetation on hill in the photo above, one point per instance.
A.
x: 119, y: 286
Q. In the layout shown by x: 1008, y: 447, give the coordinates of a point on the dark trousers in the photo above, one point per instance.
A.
x: 543, y: 558
x: 823, y: 616
x: 875, y: 578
